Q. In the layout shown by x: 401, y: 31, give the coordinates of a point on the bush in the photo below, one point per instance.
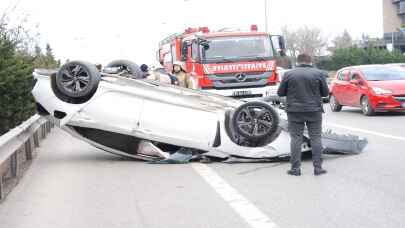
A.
x: 359, y: 56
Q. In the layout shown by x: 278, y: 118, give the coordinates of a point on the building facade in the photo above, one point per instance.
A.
x: 394, y: 23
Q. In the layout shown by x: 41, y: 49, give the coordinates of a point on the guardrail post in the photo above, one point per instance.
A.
x: 14, y: 164
x: 28, y: 149
x: 48, y: 126
x: 43, y: 131
x: 36, y: 138
x: 1, y: 187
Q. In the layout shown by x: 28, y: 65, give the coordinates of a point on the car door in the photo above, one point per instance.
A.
x: 339, y: 86
x: 353, y: 89
x: 113, y: 111
x: 171, y: 118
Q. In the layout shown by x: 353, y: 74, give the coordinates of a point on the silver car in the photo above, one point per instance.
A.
x: 118, y: 112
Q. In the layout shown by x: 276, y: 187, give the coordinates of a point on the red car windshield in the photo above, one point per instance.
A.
x: 229, y: 49
x: 384, y: 74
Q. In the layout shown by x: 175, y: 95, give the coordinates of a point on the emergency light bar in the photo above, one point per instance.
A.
x: 205, y: 29
x: 194, y: 30
x: 253, y: 28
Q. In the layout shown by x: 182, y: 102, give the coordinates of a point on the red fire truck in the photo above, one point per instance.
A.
x: 240, y: 64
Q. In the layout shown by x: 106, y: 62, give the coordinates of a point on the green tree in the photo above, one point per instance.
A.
x: 17, y: 63
x: 51, y: 61
x: 16, y: 103
x: 46, y: 60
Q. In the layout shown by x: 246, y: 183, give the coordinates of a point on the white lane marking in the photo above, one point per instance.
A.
x: 251, y: 214
x: 366, y: 131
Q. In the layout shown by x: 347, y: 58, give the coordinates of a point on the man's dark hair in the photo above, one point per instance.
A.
x: 144, y: 68
x: 304, y: 58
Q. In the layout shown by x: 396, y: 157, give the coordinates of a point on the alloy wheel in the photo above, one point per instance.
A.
x: 255, y: 121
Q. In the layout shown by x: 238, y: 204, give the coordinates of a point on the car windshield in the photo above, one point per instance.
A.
x: 384, y: 74
x: 230, y: 49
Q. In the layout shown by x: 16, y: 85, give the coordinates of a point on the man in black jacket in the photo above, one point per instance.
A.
x: 304, y: 88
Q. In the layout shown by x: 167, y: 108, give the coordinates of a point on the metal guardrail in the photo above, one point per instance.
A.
x: 22, y: 139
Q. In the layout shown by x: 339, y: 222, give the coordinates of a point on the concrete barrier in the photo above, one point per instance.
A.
x: 16, y: 149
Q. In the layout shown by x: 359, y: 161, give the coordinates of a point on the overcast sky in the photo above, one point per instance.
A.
x: 104, y: 30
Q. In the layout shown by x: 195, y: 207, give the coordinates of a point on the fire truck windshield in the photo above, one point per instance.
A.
x: 237, y: 48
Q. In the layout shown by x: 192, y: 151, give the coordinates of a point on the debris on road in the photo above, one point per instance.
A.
x: 334, y: 143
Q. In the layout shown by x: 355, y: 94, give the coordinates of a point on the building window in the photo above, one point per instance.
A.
x: 402, y: 7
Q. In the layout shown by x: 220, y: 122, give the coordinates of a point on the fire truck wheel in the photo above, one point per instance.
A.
x: 127, y: 67
x: 76, y: 81
x: 256, y: 121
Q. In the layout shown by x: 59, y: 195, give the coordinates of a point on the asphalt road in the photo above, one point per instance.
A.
x: 72, y: 184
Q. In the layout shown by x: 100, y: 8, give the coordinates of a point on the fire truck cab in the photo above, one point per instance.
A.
x: 240, y: 64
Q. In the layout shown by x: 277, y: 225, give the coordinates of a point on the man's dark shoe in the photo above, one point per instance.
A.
x: 294, y: 172
x: 319, y: 171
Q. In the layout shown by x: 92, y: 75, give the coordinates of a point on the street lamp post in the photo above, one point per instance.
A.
x: 187, y: 4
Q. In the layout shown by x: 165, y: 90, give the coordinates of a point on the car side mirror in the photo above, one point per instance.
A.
x: 184, y: 51
x: 281, y: 43
x: 278, y: 44
x: 206, y: 46
x: 204, y: 43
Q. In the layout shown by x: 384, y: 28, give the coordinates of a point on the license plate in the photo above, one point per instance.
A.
x: 242, y: 93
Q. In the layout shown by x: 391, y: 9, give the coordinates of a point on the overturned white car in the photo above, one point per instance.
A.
x: 149, y: 120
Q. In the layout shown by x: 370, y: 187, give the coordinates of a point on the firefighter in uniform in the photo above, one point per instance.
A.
x: 182, y: 77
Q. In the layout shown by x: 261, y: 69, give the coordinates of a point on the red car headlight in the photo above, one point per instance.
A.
x: 381, y: 91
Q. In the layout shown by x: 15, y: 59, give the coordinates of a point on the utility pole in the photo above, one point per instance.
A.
x: 186, y: 15
x: 265, y: 16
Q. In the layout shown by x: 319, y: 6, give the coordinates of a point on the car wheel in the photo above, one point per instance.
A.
x: 127, y: 67
x: 366, y: 107
x: 255, y: 121
x: 76, y: 81
x: 334, y: 104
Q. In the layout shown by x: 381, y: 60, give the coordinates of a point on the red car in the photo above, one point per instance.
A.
x: 374, y: 88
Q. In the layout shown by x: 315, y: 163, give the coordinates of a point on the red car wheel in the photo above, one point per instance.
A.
x: 334, y: 104
x: 366, y: 107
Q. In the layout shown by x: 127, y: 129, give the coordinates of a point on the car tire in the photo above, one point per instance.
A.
x: 366, y: 107
x: 334, y: 104
x: 75, y: 81
x: 255, y: 121
x: 132, y: 68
